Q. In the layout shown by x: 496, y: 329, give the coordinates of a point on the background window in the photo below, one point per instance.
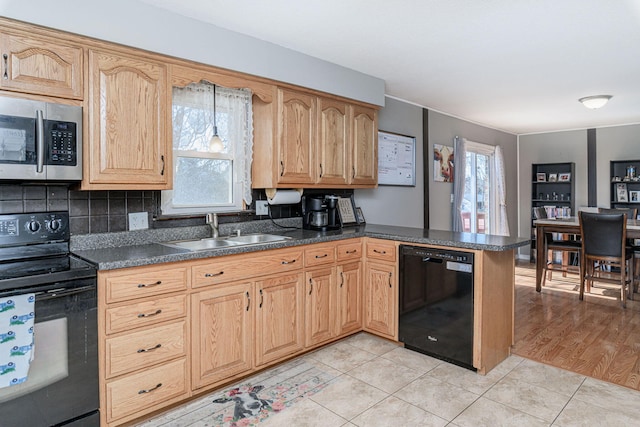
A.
x: 208, y: 178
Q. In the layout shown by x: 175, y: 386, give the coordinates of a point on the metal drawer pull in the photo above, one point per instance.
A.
x: 281, y: 168
x: 352, y: 252
x: 341, y: 279
x: 261, y: 298
x: 322, y: 256
x: 5, y: 75
x: 311, y: 283
x: 141, y: 315
x: 149, y: 390
x: 320, y: 170
x: 214, y: 274
x: 162, y: 171
x: 288, y: 262
x: 379, y: 252
x: 147, y: 285
x: 248, y: 300
x: 390, y: 274
x: 146, y: 350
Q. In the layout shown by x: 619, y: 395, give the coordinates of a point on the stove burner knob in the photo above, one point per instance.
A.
x: 53, y: 225
x: 33, y: 226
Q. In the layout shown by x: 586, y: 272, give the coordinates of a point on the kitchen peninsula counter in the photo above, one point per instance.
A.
x: 110, y: 251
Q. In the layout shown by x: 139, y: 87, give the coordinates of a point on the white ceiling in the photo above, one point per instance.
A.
x: 515, y: 65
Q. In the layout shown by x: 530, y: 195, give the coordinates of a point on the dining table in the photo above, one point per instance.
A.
x: 566, y: 225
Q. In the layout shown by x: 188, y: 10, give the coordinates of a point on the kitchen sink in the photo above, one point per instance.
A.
x: 252, y: 239
x: 224, y: 242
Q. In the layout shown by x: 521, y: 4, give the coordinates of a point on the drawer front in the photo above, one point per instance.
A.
x: 319, y: 254
x: 122, y: 286
x: 237, y: 267
x: 137, y: 350
x: 382, y: 250
x: 350, y: 251
x: 145, y: 313
x: 145, y: 391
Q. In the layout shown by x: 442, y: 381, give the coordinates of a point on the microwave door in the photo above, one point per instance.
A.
x: 18, y: 139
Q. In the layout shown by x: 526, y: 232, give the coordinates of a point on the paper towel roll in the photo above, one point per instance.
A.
x: 283, y: 197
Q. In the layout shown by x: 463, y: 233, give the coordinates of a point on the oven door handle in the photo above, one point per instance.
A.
x: 62, y: 292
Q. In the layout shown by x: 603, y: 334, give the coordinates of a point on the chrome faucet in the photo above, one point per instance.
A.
x: 212, y: 220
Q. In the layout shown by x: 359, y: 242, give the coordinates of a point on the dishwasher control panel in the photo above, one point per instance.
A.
x: 462, y: 257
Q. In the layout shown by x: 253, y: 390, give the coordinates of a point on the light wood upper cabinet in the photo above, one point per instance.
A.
x: 128, y: 115
x: 296, y: 130
x: 222, y: 333
x: 333, y: 152
x: 41, y: 66
x: 364, y: 140
x: 311, y: 141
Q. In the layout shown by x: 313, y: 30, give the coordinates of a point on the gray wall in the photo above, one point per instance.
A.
x: 612, y: 143
x: 442, y: 130
x: 137, y: 24
x: 392, y: 205
x: 404, y: 205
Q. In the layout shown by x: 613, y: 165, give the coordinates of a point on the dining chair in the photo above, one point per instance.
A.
x: 632, y: 213
x: 603, y: 243
x: 563, y: 243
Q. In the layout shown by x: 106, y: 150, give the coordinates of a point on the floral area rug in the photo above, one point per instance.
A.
x: 252, y: 401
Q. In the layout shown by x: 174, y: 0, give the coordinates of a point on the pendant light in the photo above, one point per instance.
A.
x: 215, y: 144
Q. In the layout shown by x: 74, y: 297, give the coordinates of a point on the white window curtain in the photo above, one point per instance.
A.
x: 499, y: 224
x: 459, y: 179
x: 234, y: 121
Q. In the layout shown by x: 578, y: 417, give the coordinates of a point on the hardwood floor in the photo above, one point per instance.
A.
x: 594, y: 337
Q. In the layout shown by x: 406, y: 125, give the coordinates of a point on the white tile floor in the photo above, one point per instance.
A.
x: 367, y: 381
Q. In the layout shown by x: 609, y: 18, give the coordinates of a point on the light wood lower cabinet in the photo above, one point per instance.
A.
x: 279, y: 317
x: 349, y: 298
x: 143, y: 340
x: 320, y: 306
x: 146, y: 391
x: 222, y: 322
x: 380, y: 299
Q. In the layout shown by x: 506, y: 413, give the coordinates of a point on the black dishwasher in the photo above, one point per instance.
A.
x: 436, y: 303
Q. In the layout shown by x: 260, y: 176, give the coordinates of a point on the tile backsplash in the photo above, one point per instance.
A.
x: 106, y: 211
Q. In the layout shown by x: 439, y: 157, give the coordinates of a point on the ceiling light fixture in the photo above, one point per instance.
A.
x: 215, y: 144
x: 595, y: 101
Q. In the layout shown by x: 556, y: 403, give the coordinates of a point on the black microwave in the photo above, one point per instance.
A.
x: 40, y: 141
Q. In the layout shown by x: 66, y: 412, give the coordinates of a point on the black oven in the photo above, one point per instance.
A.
x: 40, y: 140
x: 61, y: 387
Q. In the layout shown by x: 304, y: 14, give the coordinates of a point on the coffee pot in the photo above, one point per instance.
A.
x: 319, y: 212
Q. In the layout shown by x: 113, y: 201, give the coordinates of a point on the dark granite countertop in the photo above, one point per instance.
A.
x: 134, y: 249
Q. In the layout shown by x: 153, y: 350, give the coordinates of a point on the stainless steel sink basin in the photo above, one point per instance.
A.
x: 200, y: 244
x: 224, y: 242
x: 252, y: 239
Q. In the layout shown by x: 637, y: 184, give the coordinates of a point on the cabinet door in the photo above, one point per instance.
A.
x: 349, y: 301
x: 320, y: 306
x: 380, y: 299
x: 296, y: 136
x: 364, y: 135
x: 332, y: 144
x: 279, y: 317
x: 34, y: 65
x: 128, y: 116
x: 222, y: 333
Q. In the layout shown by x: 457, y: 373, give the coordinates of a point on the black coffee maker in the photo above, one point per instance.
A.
x: 319, y: 212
